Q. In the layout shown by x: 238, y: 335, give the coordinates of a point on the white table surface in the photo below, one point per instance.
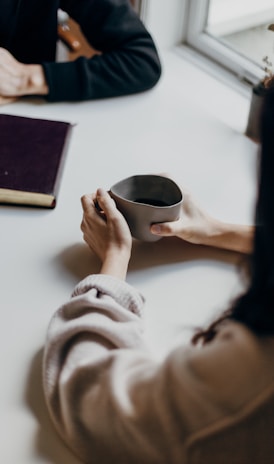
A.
x: 190, y: 126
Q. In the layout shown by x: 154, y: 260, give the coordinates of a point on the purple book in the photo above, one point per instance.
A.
x: 32, y: 155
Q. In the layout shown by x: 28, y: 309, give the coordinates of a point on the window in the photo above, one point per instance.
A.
x: 234, y: 33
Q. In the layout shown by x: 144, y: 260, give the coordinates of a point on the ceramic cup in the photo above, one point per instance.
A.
x: 147, y: 199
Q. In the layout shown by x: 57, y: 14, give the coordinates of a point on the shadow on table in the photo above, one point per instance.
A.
x: 79, y: 261
x: 48, y: 443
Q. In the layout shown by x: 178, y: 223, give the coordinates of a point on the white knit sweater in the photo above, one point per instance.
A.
x: 113, y: 403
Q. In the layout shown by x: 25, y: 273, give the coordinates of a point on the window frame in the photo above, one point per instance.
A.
x: 214, y: 48
x: 188, y: 19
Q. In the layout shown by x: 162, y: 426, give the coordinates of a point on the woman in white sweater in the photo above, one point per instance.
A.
x: 211, y: 402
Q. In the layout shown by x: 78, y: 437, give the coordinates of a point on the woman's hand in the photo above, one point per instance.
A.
x: 106, y: 232
x: 197, y: 227
x: 193, y: 226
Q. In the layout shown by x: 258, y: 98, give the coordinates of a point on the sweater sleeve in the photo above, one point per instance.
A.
x: 102, y: 387
x: 112, y: 402
x: 128, y: 62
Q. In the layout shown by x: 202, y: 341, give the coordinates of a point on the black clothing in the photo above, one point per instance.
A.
x: 7, y: 20
x: 129, y: 62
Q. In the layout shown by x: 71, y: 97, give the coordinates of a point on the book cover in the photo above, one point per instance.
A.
x: 32, y: 156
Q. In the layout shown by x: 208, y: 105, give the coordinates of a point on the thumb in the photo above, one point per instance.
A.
x: 164, y: 229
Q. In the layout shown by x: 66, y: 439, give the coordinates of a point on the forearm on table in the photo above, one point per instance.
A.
x: 234, y: 237
x: 116, y: 264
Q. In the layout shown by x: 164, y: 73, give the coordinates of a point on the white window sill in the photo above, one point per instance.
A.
x: 208, y: 85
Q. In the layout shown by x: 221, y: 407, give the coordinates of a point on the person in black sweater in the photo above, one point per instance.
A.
x: 128, y: 61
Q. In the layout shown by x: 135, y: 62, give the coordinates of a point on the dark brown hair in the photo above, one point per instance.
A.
x: 255, y: 308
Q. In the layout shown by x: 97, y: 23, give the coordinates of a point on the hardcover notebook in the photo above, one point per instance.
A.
x: 32, y: 155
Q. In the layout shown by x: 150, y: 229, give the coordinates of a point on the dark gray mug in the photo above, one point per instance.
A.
x: 147, y: 199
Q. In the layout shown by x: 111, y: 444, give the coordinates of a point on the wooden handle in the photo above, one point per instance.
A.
x: 68, y: 37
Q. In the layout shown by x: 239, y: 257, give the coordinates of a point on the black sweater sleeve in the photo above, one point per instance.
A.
x: 129, y: 62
